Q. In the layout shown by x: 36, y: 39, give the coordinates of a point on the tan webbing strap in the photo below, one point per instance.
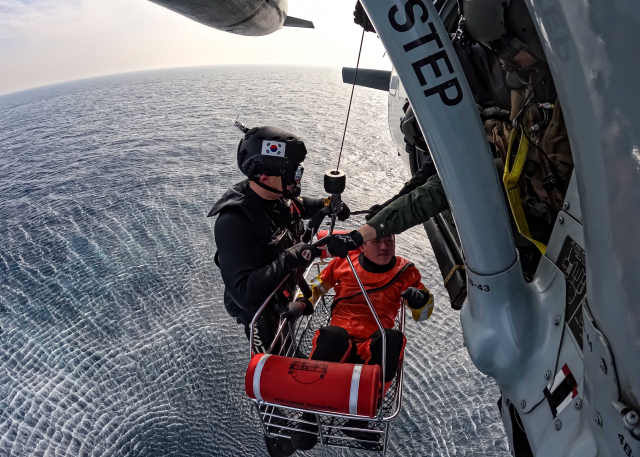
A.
x: 453, y: 270
x: 510, y: 180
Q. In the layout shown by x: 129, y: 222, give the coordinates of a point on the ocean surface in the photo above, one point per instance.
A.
x: 113, y: 337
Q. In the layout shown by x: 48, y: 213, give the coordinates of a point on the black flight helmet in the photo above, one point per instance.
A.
x: 272, y: 151
x: 504, y: 25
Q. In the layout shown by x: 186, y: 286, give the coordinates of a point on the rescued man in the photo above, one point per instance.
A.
x: 353, y: 335
x: 259, y: 238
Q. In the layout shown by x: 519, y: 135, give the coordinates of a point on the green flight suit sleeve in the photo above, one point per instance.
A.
x: 411, y: 209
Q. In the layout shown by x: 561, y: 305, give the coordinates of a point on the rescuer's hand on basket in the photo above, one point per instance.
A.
x: 295, y: 309
x: 340, y: 245
x: 420, y: 302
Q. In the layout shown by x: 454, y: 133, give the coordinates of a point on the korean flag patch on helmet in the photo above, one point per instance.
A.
x: 273, y: 148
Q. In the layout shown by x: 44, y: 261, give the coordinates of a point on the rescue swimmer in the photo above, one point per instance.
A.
x: 259, y: 234
x: 259, y: 230
x: 352, y: 335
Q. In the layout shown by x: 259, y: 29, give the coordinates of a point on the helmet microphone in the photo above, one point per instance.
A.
x: 240, y: 126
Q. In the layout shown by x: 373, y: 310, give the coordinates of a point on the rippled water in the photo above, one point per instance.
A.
x: 113, y: 337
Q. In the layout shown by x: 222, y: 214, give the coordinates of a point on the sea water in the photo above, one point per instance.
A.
x: 113, y: 337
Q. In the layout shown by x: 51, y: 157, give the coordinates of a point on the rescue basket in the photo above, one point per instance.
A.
x: 282, y: 401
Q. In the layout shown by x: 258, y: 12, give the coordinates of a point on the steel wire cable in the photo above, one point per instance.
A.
x: 346, y: 122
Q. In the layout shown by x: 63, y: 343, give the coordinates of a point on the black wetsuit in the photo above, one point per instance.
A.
x: 252, y: 235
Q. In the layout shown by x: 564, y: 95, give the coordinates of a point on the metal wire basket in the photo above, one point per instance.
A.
x: 335, y: 430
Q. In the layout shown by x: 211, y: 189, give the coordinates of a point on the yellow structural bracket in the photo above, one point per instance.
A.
x: 511, y: 178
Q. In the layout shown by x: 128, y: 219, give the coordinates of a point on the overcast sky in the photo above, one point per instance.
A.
x: 48, y: 41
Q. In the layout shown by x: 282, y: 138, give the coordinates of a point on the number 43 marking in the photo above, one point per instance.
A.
x: 482, y: 287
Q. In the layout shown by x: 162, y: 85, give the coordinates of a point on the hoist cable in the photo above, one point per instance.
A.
x: 346, y: 122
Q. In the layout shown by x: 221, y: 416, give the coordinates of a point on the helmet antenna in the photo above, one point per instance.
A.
x: 243, y: 128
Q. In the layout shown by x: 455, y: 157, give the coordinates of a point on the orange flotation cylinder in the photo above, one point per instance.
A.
x: 343, y: 388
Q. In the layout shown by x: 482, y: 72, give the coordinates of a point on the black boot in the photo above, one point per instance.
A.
x: 304, y: 441
x: 279, y: 447
x: 362, y: 434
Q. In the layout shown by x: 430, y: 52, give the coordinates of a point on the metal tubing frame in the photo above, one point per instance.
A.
x: 264, y: 427
x: 292, y: 429
x: 258, y: 314
x: 400, y: 374
x: 270, y: 407
x: 322, y: 413
x: 320, y: 432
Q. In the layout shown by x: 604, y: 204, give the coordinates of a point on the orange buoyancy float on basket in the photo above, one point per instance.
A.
x: 343, y: 388
x: 321, y: 234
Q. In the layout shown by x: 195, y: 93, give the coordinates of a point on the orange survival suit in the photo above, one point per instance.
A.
x: 349, y: 308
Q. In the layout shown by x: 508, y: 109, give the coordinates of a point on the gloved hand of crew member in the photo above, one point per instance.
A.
x: 340, y: 245
x: 302, y: 254
x: 361, y: 18
x: 420, y: 302
x: 316, y: 220
x: 375, y: 209
x: 295, y: 309
x: 344, y: 213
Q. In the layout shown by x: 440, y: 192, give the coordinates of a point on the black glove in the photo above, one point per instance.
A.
x: 302, y: 254
x: 416, y: 298
x: 295, y: 309
x: 420, y: 302
x: 344, y: 213
x: 360, y: 17
x: 375, y: 209
x: 316, y: 220
x: 340, y: 245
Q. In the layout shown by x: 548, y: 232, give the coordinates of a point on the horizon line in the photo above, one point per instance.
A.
x: 105, y: 75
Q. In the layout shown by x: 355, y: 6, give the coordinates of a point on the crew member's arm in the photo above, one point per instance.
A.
x: 418, y: 179
x: 407, y: 211
x: 323, y: 283
x: 320, y: 285
x: 250, y: 286
x: 310, y: 206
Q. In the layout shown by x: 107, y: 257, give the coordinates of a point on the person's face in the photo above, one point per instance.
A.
x: 275, y: 182
x: 525, y: 59
x: 380, y: 251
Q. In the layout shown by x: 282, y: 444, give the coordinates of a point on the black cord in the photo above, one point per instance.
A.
x: 526, y: 106
x: 529, y: 98
x: 535, y: 145
x: 346, y: 122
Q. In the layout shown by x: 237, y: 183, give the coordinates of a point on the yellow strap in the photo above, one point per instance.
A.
x: 510, y: 180
x: 453, y: 270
